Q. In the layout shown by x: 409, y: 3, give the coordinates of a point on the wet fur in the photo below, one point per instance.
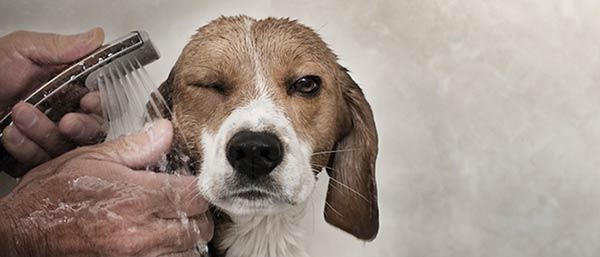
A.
x: 258, y: 58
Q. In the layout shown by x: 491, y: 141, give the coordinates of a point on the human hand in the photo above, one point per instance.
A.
x: 89, y: 202
x: 27, y: 59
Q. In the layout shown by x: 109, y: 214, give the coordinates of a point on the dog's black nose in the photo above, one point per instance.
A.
x: 254, y: 154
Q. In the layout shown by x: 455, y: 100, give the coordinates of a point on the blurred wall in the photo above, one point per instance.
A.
x: 488, y: 111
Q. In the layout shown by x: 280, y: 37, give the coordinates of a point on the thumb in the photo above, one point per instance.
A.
x: 52, y: 49
x: 140, y: 149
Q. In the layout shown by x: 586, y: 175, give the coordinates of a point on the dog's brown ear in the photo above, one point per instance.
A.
x: 166, y: 89
x: 178, y: 155
x: 161, y: 105
x: 352, y: 193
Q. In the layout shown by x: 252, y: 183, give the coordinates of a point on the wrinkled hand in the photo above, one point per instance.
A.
x: 88, y: 202
x: 27, y: 60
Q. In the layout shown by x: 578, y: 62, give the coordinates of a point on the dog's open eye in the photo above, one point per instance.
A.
x: 307, y: 85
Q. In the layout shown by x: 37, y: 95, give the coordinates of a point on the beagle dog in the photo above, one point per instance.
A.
x: 260, y: 107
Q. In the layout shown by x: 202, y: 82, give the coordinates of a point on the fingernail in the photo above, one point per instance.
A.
x: 24, y: 116
x: 13, y: 136
x: 87, y: 36
x: 94, y: 100
x: 91, y: 102
x: 77, y: 128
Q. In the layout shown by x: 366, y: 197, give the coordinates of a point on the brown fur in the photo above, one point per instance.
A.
x: 338, y: 118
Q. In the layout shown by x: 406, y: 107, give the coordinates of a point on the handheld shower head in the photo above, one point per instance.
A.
x: 55, y: 97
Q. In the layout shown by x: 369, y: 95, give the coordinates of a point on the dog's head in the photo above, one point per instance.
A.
x: 264, y: 106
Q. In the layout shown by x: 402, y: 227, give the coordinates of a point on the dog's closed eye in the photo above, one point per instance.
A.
x: 215, y: 86
x: 263, y: 103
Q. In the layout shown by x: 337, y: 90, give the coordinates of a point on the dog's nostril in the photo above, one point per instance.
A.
x: 254, y: 154
x: 237, y: 153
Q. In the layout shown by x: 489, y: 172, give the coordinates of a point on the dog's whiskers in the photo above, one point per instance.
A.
x: 323, y: 167
x: 336, y: 188
x: 196, y: 196
x: 342, y: 184
x: 333, y: 209
x: 193, y: 194
x: 322, y: 26
x: 337, y: 151
x: 349, y: 188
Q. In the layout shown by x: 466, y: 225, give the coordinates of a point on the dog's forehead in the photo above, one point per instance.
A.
x: 227, y: 38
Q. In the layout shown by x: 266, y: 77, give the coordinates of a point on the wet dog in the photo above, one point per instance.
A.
x: 261, y: 107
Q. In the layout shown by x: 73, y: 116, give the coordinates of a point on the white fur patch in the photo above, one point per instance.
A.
x: 293, y: 175
x: 261, y: 81
x: 276, y: 235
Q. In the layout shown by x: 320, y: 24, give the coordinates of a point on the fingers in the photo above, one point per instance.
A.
x: 186, y: 234
x: 51, y: 49
x: 157, y: 191
x: 172, y: 196
x: 190, y: 232
x: 90, y: 103
x: 22, y: 148
x: 140, y: 149
x: 150, y: 238
x: 83, y: 129
x: 169, y: 196
x: 170, y: 238
x: 34, y: 138
x: 34, y: 125
x: 180, y: 196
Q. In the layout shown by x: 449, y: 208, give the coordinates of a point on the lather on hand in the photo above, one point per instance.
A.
x: 92, y: 202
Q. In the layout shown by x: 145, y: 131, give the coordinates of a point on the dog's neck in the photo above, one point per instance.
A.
x: 272, y: 235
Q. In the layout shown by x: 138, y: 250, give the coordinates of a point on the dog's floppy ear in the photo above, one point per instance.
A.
x: 352, y: 192
x: 166, y: 89
x: 178, y: 156
x: 157, y: 108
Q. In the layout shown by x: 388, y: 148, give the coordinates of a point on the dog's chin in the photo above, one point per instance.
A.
x: 252, y: 203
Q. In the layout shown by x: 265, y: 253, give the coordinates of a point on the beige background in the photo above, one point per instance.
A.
x: 487, y: 112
